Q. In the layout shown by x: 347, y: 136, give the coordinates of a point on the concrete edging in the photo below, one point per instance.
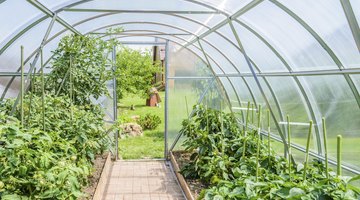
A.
x: 101, y: 186
x: 180, y: 178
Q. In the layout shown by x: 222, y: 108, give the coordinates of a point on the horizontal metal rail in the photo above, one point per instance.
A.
x: 138, y: 34
x: 296, y: 123
x: 191, y: 77
x: 142, y: 11
x: 295, y: 73
x: 142, y: 43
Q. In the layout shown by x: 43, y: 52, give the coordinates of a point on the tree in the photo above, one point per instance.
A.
x: 135, y: 72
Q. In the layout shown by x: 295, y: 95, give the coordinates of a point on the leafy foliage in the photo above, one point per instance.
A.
x: 225, y: 159
x: 149, y: 121
x: 52, y: 160
x: 54, y: 164
x: 134, y: 72
x: 82, y: 59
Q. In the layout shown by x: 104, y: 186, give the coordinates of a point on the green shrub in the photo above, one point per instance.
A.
x: 149, y: 121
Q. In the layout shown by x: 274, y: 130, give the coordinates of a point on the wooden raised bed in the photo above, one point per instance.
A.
x: 101, y: 185
x: 181, y: 179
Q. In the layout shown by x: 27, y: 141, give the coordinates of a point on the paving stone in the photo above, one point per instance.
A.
x: 142, y: 180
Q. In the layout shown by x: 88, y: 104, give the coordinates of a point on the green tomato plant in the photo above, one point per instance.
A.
x: 217, y: 145
x: 80, y: 64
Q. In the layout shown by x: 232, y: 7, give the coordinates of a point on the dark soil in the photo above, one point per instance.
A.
x: 195, y: 186
x: 98, y: 166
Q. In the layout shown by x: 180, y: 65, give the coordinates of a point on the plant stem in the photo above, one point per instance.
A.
x: 222, y: 131
x: 71, y: 89
x: 268, y: 130
x: 325, y: 146
x: 247, y: 119
x: 42, y: 89
x: 31, y: 94
x: 187, y: 111
x: 207, y: 119
x: 289, y: 144
x: 252, y: 113
x: 339, y: 147
x: 245, y: 132
x: 22, y: 88
x: 307, y: 150
x: 258, y: 144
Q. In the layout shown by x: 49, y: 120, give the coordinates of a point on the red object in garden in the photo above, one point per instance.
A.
x: 154, y: 98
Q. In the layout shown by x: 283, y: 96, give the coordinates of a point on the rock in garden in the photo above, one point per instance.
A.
x: 132, y: 129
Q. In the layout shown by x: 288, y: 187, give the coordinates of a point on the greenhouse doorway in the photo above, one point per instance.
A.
x: 142, y: 115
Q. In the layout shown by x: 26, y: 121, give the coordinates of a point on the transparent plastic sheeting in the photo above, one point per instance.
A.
x: 313, y: 39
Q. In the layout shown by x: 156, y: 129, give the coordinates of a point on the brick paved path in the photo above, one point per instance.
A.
x: 142, y: 180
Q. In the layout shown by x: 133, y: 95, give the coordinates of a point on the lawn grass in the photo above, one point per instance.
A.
x: 151, y: 144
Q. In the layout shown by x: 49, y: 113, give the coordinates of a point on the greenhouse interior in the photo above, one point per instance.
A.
x: 180, y: 99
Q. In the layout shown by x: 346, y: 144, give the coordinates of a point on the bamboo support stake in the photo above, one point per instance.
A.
x: 247, y: 119
x: 22, y: 88
x: 268, y: 130
x: 325, y: 147
x: 31, y: 94
x: 42, y: 89
x: 307, y: 150
x: 246, y: 128
x: 222, y: 130
x: 187, y: 111
x: 339, y: 147
x: 252, y: 113
x: 71, y: 89
x: 289, y: 144
x: 258, y: 144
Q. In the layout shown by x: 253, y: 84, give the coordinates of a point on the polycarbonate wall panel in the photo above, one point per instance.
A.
x: 177, y: 23
x: 230, y: 92
x: 230, y: 6
x: 206, y: 19
x: 276, y: 110
x: 14, y: 88
x: 178, y: 109
x: 328, y: 19
x: 356, y: 79
x: 293, y: 104
x: 355, y: 4
x: 225, y: 65
x: 166, y: 5
x: 230, y: 51
x: 15, y: 14
x: 51, y: 4
x: 297, y: 45
x: 242, y: 90
x: 215, y: 67
x: 337, y: 104
x: 10, y: 59
x: 192, y: 66
x: 265, y: 59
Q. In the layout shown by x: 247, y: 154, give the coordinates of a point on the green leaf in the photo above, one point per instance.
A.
x: 218, y: 197
x: 296, y: 192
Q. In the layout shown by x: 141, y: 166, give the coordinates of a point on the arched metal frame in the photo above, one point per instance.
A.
x: 304, y: 91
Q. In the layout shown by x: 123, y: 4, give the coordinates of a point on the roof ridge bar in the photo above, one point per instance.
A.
x: 243, y: 10
x: 50, y: 13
